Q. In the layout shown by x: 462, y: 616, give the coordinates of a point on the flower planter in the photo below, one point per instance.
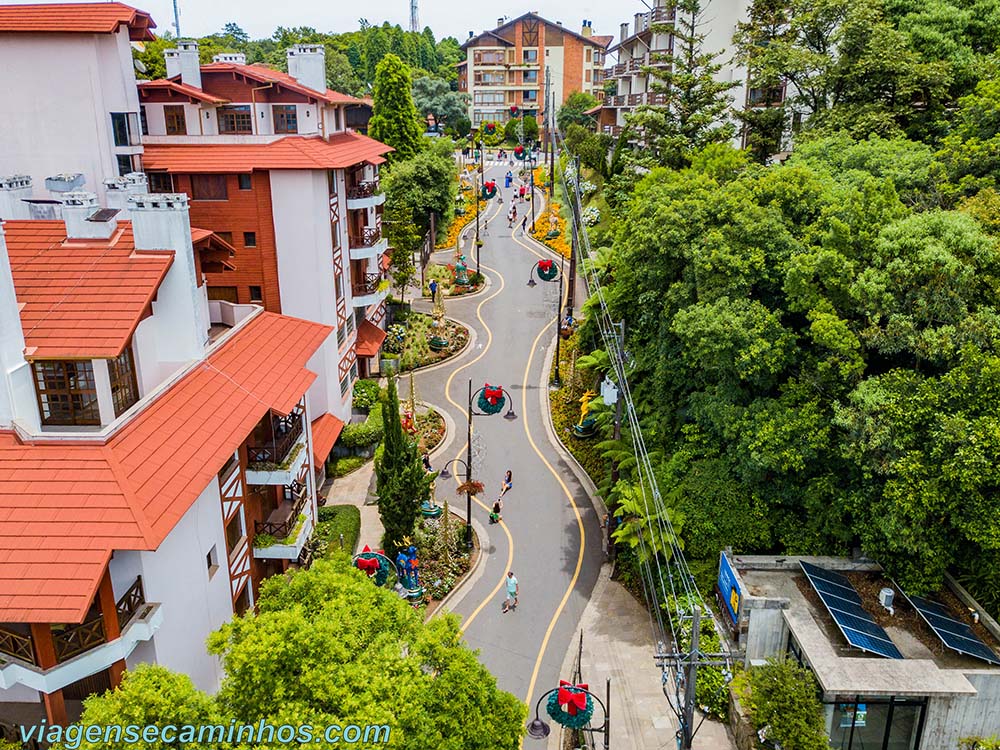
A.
x: 437, y: 343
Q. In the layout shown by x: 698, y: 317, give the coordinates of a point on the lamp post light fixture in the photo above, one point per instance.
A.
x: 467, y: 463
x: 558, y: 277
x: 538, y: 728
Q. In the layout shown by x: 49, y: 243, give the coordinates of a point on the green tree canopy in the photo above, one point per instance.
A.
x: 394, y: 118
x: 574, y: 109
x: 423, y: 184
x: 433, y: 96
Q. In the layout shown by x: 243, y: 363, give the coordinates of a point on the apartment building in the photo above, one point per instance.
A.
x: 505, y: 67
x: 156, y: 447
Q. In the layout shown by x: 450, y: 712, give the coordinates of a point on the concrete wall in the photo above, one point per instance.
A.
x: 949, y: 719
x: 84, y: 78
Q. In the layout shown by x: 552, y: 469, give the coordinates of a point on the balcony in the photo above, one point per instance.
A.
x: 365, y: 195
x: 636, y: 65
x: 366, y: 243
x: 657, y: 99
x: 80, y: 650
x: 634, y: 100
x: 617, y: 101
x: 276, y: 450
x: 285, y: 532
x: 662, y: 14
x: 369, y: 289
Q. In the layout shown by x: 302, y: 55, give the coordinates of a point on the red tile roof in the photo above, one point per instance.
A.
x: 370, y: 338
x: 64, y: 507
x: 265, y: 74
x: 602, y: 40
x: 79, y: 18
x: 179, y: 88
x: 294, y: 152
x: 80, y: 298
x: 325, y: 431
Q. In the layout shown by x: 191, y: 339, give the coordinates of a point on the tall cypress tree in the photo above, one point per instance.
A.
x: 401, y: 483
x: 693, y: 109
x: 394, y: 118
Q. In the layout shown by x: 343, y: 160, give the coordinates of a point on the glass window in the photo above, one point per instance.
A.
x: 128, y: 163
x: 234, y: 532
x: 67, y: 393
x: 143, y: 123
x: 125, y: 128
x: 530, y: 55
x: 124, y: 388
x: 256, y: 294
x: 341, y: 335
x: 242, y: 603
x: 529, y: 76
x: 905, y: 730
x: 587, y: 53
x: 223, y: 294
x: 235, y: 119
x: 345, y: 385
x: 244, y: 181
x: 160, y: 182
x: 173, y: 116
x: 249, y: 239
x: 285, y: 118
x: 208, y: 187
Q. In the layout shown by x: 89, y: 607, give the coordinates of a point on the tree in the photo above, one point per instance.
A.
x: 405, y: 240
x: 401, y: 482
x: 424, y: 184
x: 394, y: 118
x: 574, y: 110
x: 782, y: 695
x: 235, y: 35
x: 692, y: 111
x: 340, y: 75
x: 433, y: 96
x: 516, y: 126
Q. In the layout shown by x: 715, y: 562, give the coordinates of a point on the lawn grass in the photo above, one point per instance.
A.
x: 342, y: 466
x: 417, y: 351
x: 333, y: 521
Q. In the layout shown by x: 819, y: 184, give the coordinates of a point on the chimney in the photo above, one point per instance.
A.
x: 624, y: 32
x: 184, y: 61
x: 137, y: 183
x: 85, y: 219
x: 638, y: 23
x: 307, y: 65
x: 16, y: 389
x: 471, y: 34
x: 116, y: 193
x: 587, y: 30
x: 66, y: 182
x: 14, y: 190
x: 237, y: 58
x: 161, y: 221
x: 499, y: 22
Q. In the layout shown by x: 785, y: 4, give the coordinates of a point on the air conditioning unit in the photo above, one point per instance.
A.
x: 885, y: 597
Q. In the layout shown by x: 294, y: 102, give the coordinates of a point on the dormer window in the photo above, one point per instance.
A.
x: 67, y: 392
x: 124, y: 387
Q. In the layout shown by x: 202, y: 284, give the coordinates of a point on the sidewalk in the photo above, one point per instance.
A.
x: 358, y: 489
x: 618, y: 643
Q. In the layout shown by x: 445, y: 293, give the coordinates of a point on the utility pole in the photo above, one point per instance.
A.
x: 550, y: 127
x: 690, y: 680
x: 177, y: 20
x: 577, y: 229
x: 468, y: 474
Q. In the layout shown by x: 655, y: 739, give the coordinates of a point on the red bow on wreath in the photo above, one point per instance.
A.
x: 545, y: 265
x: 492, y: 394
x: 369, y: 566
x: 519, y: 150
x: 570, y: 699
x: 490, y: 185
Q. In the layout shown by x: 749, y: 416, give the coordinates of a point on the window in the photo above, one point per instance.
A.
x: 488, y: 57
x: 212, y: 560
x: 256, y: 294
x: 160, y: 182
x: 489, y: 97
x: 350, y: 320
x: 530, y: 55
x: 341, y: 335
x: 125, y: 128
x: 587, y: 53
x: 223, y: 294
x: 67, y: 393
x: 285, y: 118
x: 124, y: 388
x: 235, y: 119
x: 354, y: 372
x: 234, y: 532
x: 488, y: 78
x: 208, y: 187
x: 227, y: 236
x: 249, y: 239
x: 142, y: 121
x: 128, y: 163
x: 244, y: 181
x: 338, y: 283
x: 173, y: 116
x: 586, y: 75
x: 529, y: 76
x: 345, y: 385
x: 529, y: 97
x: 242, y: 603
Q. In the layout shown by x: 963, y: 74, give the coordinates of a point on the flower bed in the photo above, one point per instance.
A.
x: 445, y: 277
x: 417, y: 351
x: 465, y: 212
x: 443, y: 557
x: 431, y: 429
x: 562, y: 242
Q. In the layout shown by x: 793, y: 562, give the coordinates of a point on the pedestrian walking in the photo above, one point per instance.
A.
x: 521, y: 191
x: 508, y: 482
x: 524, y: 224
x: 512, y: 591
x: 433, y: 286
x: 495, y: 516
x: 427, y: 463
x: 510, y: 217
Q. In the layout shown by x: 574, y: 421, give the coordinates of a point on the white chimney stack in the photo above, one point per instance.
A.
x: 17, y: 392
x: 623, y: 31
x: 307, y: 65
x: 14, y: 191
x: 84, y: 217
x: 184, y: 61
x: 237, y: 58
x: 116, y: 193
x: 161, y: 221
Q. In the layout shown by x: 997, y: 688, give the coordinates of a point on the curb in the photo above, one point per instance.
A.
x: 449, y: 429
x: 459, y: 591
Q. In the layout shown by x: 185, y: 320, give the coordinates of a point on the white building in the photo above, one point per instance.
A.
x: 140, y: 427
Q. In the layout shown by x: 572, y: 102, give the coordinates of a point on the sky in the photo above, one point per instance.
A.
x: 259, y: 18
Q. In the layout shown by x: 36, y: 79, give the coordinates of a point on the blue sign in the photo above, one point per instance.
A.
x: 729, y: 587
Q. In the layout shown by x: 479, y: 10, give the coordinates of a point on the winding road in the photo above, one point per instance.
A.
x: 550, y: 536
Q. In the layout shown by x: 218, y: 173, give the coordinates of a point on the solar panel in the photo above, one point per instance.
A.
x: 955, y: 634
x: 844, y: 605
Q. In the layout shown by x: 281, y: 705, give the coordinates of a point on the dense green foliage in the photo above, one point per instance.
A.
x: 420, y: 185
x: 327, y: 647
x: 363, y: 434
x: 816, y: 355
x: 332, y: 523
x: 574, y: 109
x: 365, y: 394
x: 782, y: 696
x: 433, y: 96
x: 401, y: 483
x: 394, y: 119
x: 512, y: 131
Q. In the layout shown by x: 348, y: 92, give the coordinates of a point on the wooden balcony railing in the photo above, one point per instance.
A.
x: 635, y: 66
x: 363, y: 190
x: 367, y: 237
x: 619, y: 69
x: 286, y: 432
x: 17, y: 645
x: 662, y: 14
x: 618, y: 101
x: 366, y: 284
x: 634, y: 100
x: 79, y: 638
x: 656, y: 99
x: 131, y: 603
x: 281, y: 523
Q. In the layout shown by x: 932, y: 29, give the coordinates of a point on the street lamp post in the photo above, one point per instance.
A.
x: 532, y: 198
x: 538, y: 728
x: 559, y: 278
x: 467, y: 463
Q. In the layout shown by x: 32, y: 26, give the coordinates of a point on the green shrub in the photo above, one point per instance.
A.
x: 334, y: 520
x: 783, y: 696
x: 979, y: 743
x: 394, y: 339
x: 711, y: 691
x: 344, y: 465
x: 363, y: 434
x: 366, y: 394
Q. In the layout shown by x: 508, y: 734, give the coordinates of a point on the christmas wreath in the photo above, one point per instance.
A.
x: 490, y: 128
x: 513, y: 110
x: 521, y: 153
x: 489, y: 190
x: 491, y: 399
x: 374, y: 564
x: 547, y: 270
x: 570, y: 705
